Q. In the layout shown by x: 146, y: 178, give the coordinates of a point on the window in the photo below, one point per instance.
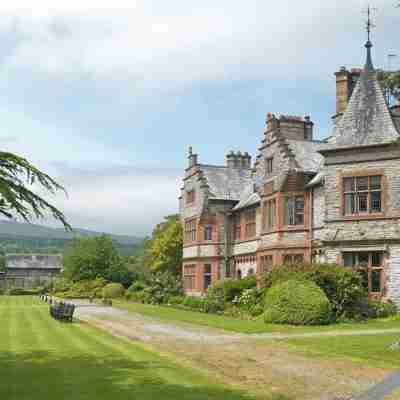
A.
x: 208, y: 232
x: 190, y: 231
x: 250, y: 220
x: 362, y: 195
x: 189, y: 277
x: 269, y: 165
x: 370, y: 267
x: 294, y: 210
x: 207, y: 276
x: 270, y: 214
x: 237, y: 228
x: 190, y: 196
x: 292, y: 259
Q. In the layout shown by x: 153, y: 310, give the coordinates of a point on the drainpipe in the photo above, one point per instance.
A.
x: 226, y: 245
x: 311, y: 218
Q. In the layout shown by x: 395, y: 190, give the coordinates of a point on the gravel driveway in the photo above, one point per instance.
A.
x: 246, y: 361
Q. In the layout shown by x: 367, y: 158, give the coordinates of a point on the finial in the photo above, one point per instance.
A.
x: 369, y: 26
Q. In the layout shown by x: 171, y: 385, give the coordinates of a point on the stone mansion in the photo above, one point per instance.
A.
x: 303, y: 200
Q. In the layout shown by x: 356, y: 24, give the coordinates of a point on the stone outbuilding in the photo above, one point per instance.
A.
x: 30, y: 270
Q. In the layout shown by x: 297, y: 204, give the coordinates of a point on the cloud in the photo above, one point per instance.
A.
x: 121, y: 199
x: 107, y: 95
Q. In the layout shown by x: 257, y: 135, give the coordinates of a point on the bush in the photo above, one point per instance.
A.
x: 162, y: 286
x: 297, y: 303
x: 137, y: 286
x: 214, y: 300
x: 80, y: 290
x: 195, y: 303
x: 175, y: 300
x: 139, y: 297
x: 342, y: 285
x: 381, y: 309
x: 113, y: 291
x: 234, y: 287
x: 250, y: 302
x: 24, y: 292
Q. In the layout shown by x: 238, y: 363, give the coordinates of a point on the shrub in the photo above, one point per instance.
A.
x: 297, y: 303
x: 113, y: 291
x: 234, y: 287
x: 342, y: 285
x: 80, y: 290
x: 162, y: 286
x: 139, y: 297
x: 381, y: 309
x: 24, y: 292
x: 214, y: 300
x: 195, y: 303
x: 137, y: 286
x: 175, y: 300
x: 250, y: 301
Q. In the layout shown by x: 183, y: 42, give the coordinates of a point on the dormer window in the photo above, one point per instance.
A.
x: 190, y: 196
x: 269, y: 165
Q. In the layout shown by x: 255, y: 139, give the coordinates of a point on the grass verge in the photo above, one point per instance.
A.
x: 244, y: 326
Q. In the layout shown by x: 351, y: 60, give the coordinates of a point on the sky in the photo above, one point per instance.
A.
x: 107, y: 96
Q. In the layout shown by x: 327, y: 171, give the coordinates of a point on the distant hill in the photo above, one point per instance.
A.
x: 17, y: 236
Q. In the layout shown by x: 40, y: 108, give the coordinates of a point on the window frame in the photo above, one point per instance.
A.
x: 292, y: 258
x: 270, y: 216
x: 190, y: 196
x: 191, y: 276
x: 250, y: 223
x: 208, y: 233
x: 207, y: 275
x: 291, y: 212
x: 352, y: 191
x: 190, y: 230
x: 237, y: 227
x: 269, y: 165
x: 370, y: 268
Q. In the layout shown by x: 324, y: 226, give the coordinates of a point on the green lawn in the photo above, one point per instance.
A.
x: 373, y: 351
x: 43, y: 359
x: 242, y: 326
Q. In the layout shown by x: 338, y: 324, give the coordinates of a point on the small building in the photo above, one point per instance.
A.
x: 2, y: 279
x: 30, y: 270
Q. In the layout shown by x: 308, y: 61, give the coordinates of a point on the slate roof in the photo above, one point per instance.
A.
x: 226, y: 183
x: 367, y: 119
x: 306, y: 154
x: 248, y: 198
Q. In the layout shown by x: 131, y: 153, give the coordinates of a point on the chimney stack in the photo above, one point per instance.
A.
x: 238, y: 160
x: 345, y: 83
x: 192, y: 158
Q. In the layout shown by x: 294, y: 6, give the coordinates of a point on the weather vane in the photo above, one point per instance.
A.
x: 369, y: 24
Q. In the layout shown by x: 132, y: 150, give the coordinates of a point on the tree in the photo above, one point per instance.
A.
x: 390, y: 82
x: 164, y: 249
x: 16, y: 173
x: 96, y: 257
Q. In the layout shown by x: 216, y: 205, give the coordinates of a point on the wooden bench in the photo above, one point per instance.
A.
x: 62, y: 311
